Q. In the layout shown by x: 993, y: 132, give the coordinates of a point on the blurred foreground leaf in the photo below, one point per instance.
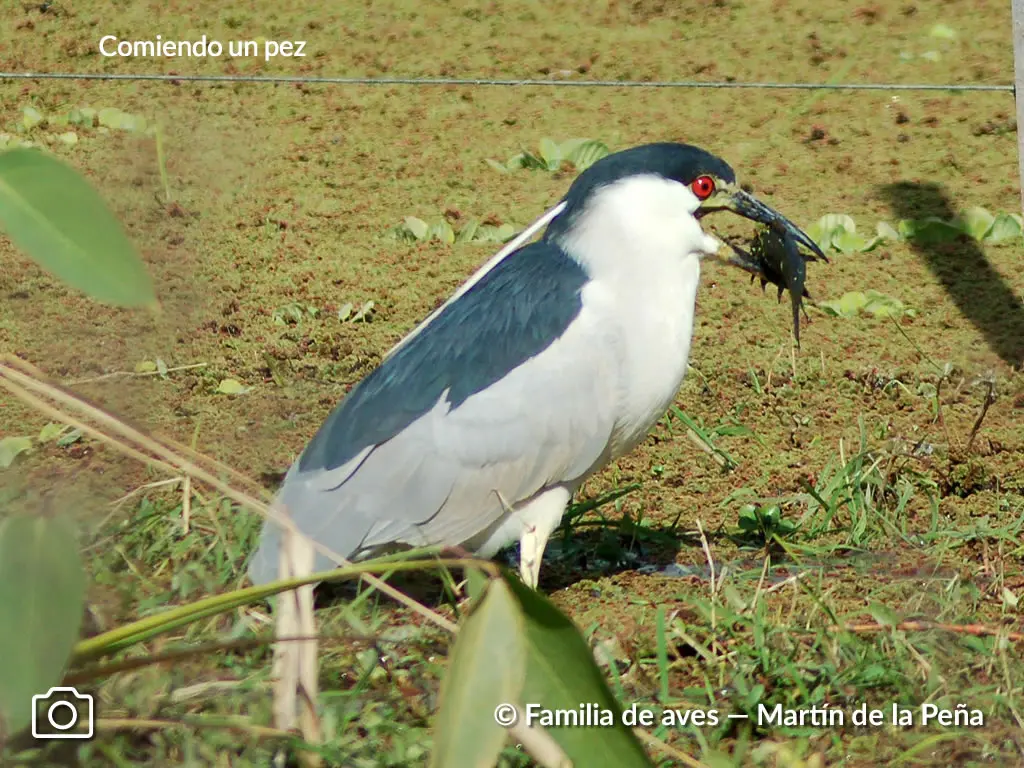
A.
x: 488, y: 662
x: 42, y: 594
x: 58, y: 219
x: 561, y: 674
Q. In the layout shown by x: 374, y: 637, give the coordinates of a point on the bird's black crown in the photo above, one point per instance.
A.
x: 678, y: 162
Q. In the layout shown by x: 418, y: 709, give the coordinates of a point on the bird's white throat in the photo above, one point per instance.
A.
x: 634, y: 225
x: 641, y: 245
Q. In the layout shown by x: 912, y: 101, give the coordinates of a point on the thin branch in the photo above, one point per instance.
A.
x: 22, y: 379
x: 134, y: 374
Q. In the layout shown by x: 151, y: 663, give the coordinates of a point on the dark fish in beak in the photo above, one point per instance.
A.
x: 775, y: 255
x: 749, y: 207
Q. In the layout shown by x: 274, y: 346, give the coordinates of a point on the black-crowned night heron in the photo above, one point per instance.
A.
x: 554, y: 359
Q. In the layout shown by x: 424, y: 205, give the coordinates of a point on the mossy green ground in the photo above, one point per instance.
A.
x: 284, y: 195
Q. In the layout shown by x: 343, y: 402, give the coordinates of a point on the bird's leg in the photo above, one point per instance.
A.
x: 531, y: 553
x: 539, y: 517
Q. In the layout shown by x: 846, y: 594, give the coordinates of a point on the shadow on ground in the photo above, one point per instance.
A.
x: 980, y: 293
x: 592, y: 552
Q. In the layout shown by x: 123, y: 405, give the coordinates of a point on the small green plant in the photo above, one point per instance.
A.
x: 294, y: 313
x: 231, y: 387
x: 66, y: 128
x: 413, y: 229
x: 763, y: 524
x: 869, y: 302
x: 838, y: 231
x: 347, y: 312
x: 550, y: 156
x: 976, y: 223
x: 84, y: 117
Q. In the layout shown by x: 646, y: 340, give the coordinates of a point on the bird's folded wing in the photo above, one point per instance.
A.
x: 511, y: 390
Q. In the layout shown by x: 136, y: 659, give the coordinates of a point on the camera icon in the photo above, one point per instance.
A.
x: 59, y: 710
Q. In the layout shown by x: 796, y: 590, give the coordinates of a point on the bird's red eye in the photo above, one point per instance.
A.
x: 702, y: 187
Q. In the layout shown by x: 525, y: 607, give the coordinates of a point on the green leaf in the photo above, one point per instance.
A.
x: 830, y: 222
x: 364, y: 312
x: 846, y: 241
x: 1004, y: 227
x: 748, y: 520
x: 345, y: 311
x: 68, y: 137
x: 468, y: 231
x: 42, y: 596
x: 82, y: 117
x: 886, y: 231
x: 942, y: 32
x: 883, y: 614
x: 486, y: 671
x: 976, y: 222
x: 71, y: 437
x: 7, y: 141
x: 133, y: 123
x: 443, y: 231
x: 11, y: 448
x: 569, y: 146
x: 929, y: 230
x: 585, y: 153
x: 31, y: 117
x: 847, y: 305
x: 824, y: 230
x: 56, y: 217
x: 476, y: 582
x: 522, y: 160
x: 111, y: 117
x: 561, y: 674
x: 231, y: 387
x: 497, y: 166
x: 485, y: 233
x: 880, y: 305
x: 418, y: 227
x: 50, y: 432
x: 550, y: 154
x: 771, y: 516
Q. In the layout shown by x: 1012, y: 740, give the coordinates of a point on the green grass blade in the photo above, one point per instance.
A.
x: 151, y: 626
x: 704, y: 437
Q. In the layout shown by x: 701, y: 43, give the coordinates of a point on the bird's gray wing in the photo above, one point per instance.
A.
x: 511, y: 389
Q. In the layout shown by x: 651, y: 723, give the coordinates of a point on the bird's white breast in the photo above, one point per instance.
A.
x: 642, y: 248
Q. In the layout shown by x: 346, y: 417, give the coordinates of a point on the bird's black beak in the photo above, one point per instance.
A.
x: 748, y: 206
